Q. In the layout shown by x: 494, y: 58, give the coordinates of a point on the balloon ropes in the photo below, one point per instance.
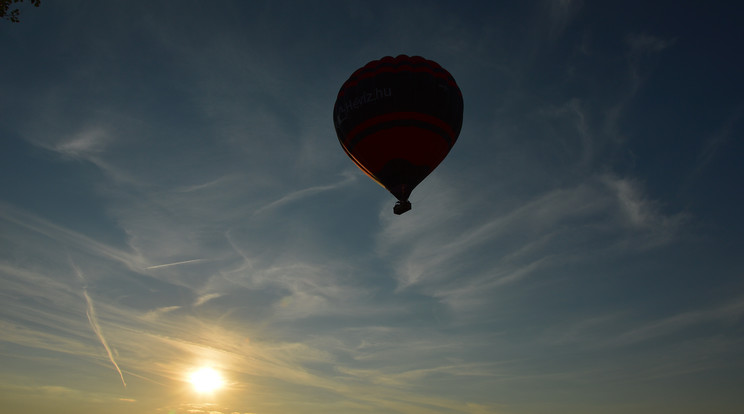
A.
x: 397, y: 118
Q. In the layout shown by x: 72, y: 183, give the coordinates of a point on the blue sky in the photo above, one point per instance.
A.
x: 173, y: 196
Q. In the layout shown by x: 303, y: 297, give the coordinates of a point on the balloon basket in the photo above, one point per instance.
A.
x: 401, y: 207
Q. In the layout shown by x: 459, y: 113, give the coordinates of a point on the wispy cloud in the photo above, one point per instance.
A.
x: 64, y: 235
x: 640, y: 49
x: 83, y: 145
x: 179, y: 339
x: 159, y: 311
x: 464, y: 264
x: 561, y: 13
x: 727, y: 313
x: 306, y: 192
x: 642, y: 43
x: 206, y: 298
x: 641, y: 46
x: 643, y: 214
x: 718, y: 140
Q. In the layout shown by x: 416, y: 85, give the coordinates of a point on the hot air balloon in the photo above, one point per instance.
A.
x: 397, y: 118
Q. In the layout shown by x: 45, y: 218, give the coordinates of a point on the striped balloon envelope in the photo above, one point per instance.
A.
x: 397, y: 118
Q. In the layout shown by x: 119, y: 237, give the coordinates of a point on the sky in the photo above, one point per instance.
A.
x: 173, y: 196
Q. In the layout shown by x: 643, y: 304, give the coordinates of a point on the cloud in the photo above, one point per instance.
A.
x: 463, y: 262
x: 306, y: 192
x: 727, y: 313
x: 718, y: 140
x: 167, y: 339
x: 641, y: 47
x: 641, y: 51
x: 643, y: 43
x: 580, y: 144
x: 65, y: 236
x: 84, y: 145
x: 55, y: 392
x: 642, y: 213
x: 155, y: 313
x: 629, y: 345
x: 561, y: 13
x: 206, y: 298
x: 627, y: 327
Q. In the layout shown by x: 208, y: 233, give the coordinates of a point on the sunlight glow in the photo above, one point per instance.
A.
x: 206, y: 380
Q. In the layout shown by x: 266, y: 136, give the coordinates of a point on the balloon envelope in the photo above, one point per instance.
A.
x: 397, y: 119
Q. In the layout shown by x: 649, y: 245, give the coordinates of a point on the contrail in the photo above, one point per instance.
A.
x: 175, y: 264
x: 91, y: 313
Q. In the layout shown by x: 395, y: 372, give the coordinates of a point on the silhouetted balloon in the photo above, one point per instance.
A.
x: 397, y: 118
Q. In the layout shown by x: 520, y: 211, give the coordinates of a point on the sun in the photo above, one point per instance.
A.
x: 206, y: 380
